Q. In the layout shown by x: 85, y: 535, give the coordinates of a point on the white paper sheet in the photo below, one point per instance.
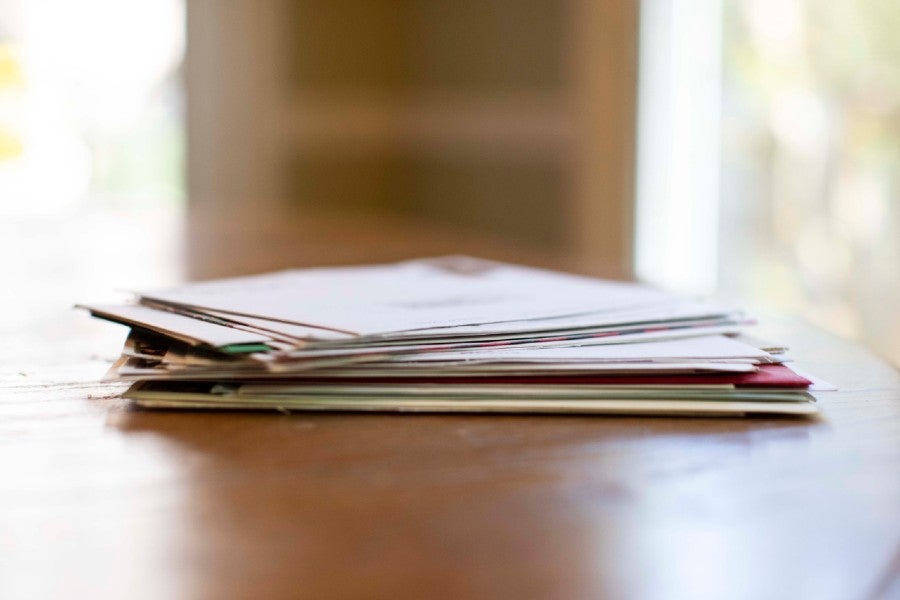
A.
x: 179, y: 327
x: 412, y: 295
x: 714, y: 347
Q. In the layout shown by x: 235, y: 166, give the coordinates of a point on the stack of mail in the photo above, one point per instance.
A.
x: 451, y: 334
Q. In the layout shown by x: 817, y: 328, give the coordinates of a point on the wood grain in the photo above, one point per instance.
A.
x: 101, y: 500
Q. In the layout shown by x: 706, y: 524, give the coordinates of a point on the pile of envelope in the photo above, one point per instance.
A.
x: 450, y: 334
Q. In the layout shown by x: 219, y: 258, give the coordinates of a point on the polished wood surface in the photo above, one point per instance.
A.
x: 99, y: 499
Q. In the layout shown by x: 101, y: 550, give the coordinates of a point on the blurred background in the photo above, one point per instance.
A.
x: 748, y: 149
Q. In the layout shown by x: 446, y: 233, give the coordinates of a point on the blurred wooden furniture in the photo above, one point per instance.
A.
x: 100, y: 500
x: 346, y: 131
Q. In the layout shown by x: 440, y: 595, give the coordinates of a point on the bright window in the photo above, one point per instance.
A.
x: 797, y: 137
x: 91, y: 150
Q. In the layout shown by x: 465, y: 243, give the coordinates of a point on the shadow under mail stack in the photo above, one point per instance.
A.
x: 451, y: 334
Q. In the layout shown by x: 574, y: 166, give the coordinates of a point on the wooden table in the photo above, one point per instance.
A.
x: 102, y: 500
